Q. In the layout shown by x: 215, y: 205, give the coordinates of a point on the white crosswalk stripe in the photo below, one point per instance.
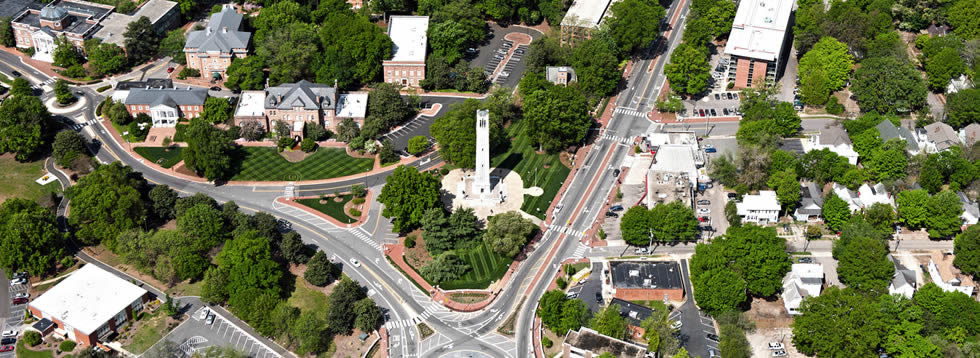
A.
x: 565, y: 230
x: 363, y: 235
x: 48, y: 81
x: 624, y: 140
x: 579, y: 251
x: 629, y: 112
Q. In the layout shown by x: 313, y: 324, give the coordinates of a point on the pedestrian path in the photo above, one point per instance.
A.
x: 565, y: 230
x: 362, y: 234
x: 624, y: 140
x: 579, y: 251
x: 629, y: 112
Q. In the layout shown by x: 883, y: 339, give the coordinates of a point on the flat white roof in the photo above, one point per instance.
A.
x: 675, y: 159
x: 765, y: 200
x: 759, y: 29
x: 408, y: 35
x: 251, y: 104
x: 352, y: 105
x: 88, y: 298
x: 587, y: 13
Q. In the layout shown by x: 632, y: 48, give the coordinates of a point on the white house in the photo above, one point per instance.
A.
x: 946, y: 280
x: 865, y: 197
x: 849, y: 196
x: 802, y: 281
x: 762, y: 208
x: 937, y: 137
x: 958, y: 84
x: 903, y: 281
x: 832, y: 137
x: 971, y: 212
x: 811, y: 203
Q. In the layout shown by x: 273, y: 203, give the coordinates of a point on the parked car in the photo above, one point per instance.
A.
x: 8, y: 340
x: 210, y: 319
x: 354, y: 262
x: 616, y: 172
x: 6, y: 348
x: 713, y: 112
x: 504, y: 74
x: 732, y: 196
x: 724, y: 111
x: 21, y: 275
x: 571, y: 295
x: 641, y: 251
x: 471, y: 50
x: 805, y: 260
x: 520, y: 51
x: 170, y: 70
x: 730, y: 95
x: 776, y: 346
x: 710, y: 150
x: 20, y: 301
x: 18, y: 281
x: 704, y: 211
x: 717, y: 96
x: 610, y: 214
x: 498, y: 56
x: 22, y: 295
x: 713, y: 353
x: 616, y: 207
x: 9, y: 333
x: 598, y: 297
x: 215, y: 88
x: 779, y: 353
x: 507, y: 44
x: 712, y: 337
x: 701, y: 112
x: 704, y: 202
x: 676, y: 324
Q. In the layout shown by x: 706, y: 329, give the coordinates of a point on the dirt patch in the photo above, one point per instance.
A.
x: 181, y: 169
x: 468, y: 297
x: 417, y: 256
x: 294, y: 156
x: 352, y: 345
x: 298, y: 270
x: 104, y: 255
x: 769, y: 314
x: 360, y: 208
x: 566, y: 159
x: 556, y: 343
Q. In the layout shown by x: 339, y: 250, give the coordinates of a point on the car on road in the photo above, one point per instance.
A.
x: 471, y: 50
x: 598, y: 297
x: 170, y: 70
x: 779, y: 353
x: 354, y: 262
x: 22, y: 295
x: 776, y: 346
x: 6, y: 348
x: 9, y: 333
x: 19, y: 301
x: 712, y: 337
x: 610, y: 214
x: 215, y: 88
x: 18, y: 281
x: 704, y: 202
x: 616, y: 207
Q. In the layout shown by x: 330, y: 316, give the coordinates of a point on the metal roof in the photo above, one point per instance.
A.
x: 168, y: 96
x: 221, y: 35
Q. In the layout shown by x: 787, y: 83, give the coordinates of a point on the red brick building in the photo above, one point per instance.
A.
x: 166, y: 105
x: 646, y: 280
x: 90, y: 305
x: 756, y: 46
x: 407, y: 64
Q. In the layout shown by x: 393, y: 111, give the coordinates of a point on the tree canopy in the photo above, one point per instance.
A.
x: 456, y: 132
x: 209, y: 150
x: 634, y: 23
x: 967, y: 250
x: 105, y: 203
x: 29, y: 238
x: 508, y: 232
x: 886, y: 85
x: 556, y: 117
x: 141, y: 40
x: 407, y: 194
x: 24, y: 125
x: 688, y: 70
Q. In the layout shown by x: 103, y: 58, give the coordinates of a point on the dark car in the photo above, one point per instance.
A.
x: 730, y: 95
x: 616, y: 172
x: 15, y: 73
x: 598, y: 297
x: 724, y: 111
x: 7, y: 341
x: 712, y: 337
x: 20, y: 275
x: 710, y: 150
x: 215, y: 88
x: 616, y: 208
x: 20, y: 301
x: 610, y: 214
x: 717, y: 96
x: 713, y: 112
x: 805, y: 260
x: 704, y: 202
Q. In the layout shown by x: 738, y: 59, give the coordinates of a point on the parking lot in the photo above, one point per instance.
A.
x: 419, y: 126
x: 196, y: 334
x: 488, y: 55
x: 13, y: 314
x: 587, y: 289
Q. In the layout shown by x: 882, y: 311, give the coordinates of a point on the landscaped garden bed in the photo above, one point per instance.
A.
x: 265, y: 164
x: 163, y: 156
x: 333, y: 206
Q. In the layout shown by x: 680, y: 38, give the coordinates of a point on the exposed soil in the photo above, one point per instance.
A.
x: 769, y: 314
x: 352, y: 346
x: 298, y: 270
x: 294, y: 156
x: 417, y: 256
x: 468, y: 297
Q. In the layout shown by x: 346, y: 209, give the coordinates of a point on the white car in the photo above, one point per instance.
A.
x: 9, y: 333
x: 779, y: 353
x: 18, y: 281
x: 704, y: 211
x: 676, y: 324
x: 354, y: 262
x: 22, y: 295
x: 505, y: 74
x: 775, y: 346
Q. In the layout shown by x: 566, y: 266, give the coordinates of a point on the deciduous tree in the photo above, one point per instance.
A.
x: 835, y: 211
x: 688, y: 70
x: 320, y: 271
x: 886, y: 85
x: 863, y: 265
x: 838, y: 323
x: 967, y: 250
x: 208, y: 150
x: 29, y: 238
x: 634, y: 24
x: 68, y: 145
x: 508, y: 232
x: 407, y: 194
x: 556, y: 117
x: 608, y: 322
x: 105, y: 203
x: 141, y: 40
x: 24, y: 122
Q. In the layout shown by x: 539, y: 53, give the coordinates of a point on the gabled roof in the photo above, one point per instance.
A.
x: 903, y: 276
x: 305, y: 94
x: 221, y: 35
x: 971, y: 133
x: 942, y: 134
x: 969, y: 206
x: 169, y: 96
x: 811, y: 200
x: 887, y: 131
x: 834, y: 134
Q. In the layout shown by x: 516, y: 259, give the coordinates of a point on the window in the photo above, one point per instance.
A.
x: 120, y: 318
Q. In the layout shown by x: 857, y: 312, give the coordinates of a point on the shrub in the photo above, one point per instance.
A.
x: 444, y: 171
x: 103, y: 88
x: 546, y: 342
x: 188, y: 72
x: 834, y: 107
x: 32, y: 338
x: 285, y: 143
x: 417, y: 144
x: 358, y: 191
x: 562, y: 283
x: 355, y: 213
x: 410, y: 241
x: 74, y: 71
x: 307, y: 145
x: 357, y: 201
x: 66, y: 346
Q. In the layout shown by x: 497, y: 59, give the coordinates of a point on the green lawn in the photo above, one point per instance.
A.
x: 152, y: 327
x: 164, y: 156
x: 23, y: 352
x: 523, y: 159
x: 333, y: 208
x: 17, y: 179
x: 263, y: 163
x: 306, y: 299
x: 485, y: 267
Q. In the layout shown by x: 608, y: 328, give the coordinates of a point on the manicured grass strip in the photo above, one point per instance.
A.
x: 17, y: 179
x: 164, y: 156
x: 485, y: 267
x: 23, y: 352
x: 543, y: 170
x: 265, y: 164
x: 333, y: 208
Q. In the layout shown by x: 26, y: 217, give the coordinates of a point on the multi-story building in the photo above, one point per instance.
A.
x: 583, y: 17
x: 758, y: 41
x: 212, y: 49
x: 76, y: 20
x: 296, y: 104
x: 163, y: 15
x: 762, y: 208
x: 407, y: 64
x: 89, y: 306
x: 166, y: 105
x: 560, y: 75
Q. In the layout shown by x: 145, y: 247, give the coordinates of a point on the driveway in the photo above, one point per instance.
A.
x: 587, y: 289
x: 13, y: 315
x: 694, y: 324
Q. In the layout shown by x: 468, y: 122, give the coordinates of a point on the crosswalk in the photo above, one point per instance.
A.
x: 618, y: 139
x: 362, y: 234
x: 580, y: 251
x: 630, y: 112
x: 429, y: 311
x: 47, y: 82
x: 78, y: 126
x: 289, y: 191
x: 565, y: 230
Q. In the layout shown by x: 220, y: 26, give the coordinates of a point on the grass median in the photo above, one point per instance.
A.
x: 265, y: 164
